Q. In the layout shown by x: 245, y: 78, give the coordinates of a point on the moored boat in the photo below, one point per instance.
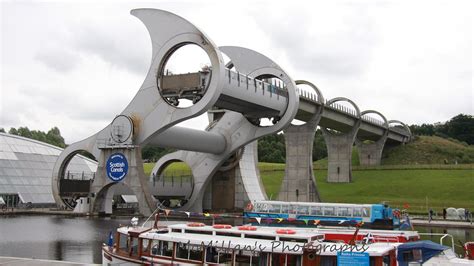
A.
x: 278, y: 213
x: 194, y: 243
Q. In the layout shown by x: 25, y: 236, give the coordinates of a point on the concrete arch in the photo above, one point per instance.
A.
x: 378, y: 113
x: 407, y: 128
x: 370, y: 154
x: 356, y: 126
x: 103, y: 198
x: 63, y: 160
x: 340, y: 99
x: 317, y: 115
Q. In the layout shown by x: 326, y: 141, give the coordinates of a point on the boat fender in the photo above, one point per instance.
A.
x: 285, y: 231
x: 222, y: 226
x: 247, y: 228
x: 195, y: 224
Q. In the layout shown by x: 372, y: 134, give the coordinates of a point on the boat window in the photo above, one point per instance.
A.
x: 285, y: 208
x: 220, y: 256
x: 123, y: 244
x: 198, y: 232
x: 286, y: 259
x: 162, y: 248
x: 316, y: 211
x: 357, y: 212
x: 300, y: 240
x: 303, y: 210
x: 366, y: 212
x: 260, y: 207
x: 146, y: 246
x: 328, y: 211
x: 275, y: 208
x: 247, y: 258
x: 343, y: 211
x: 134, y: 246
x: 189, y: 252
x: 386, y: 260
x: 328, y: 261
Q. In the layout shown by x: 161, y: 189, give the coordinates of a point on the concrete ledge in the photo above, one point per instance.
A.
x: 443, y: 223
x: 36, y: 262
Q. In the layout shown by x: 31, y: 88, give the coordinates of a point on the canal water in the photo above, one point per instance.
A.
x: 79, y: 239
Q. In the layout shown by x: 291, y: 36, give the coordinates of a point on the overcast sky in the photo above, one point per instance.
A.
x: 76, y: 65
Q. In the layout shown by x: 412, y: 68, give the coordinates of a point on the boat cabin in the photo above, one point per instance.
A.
x: 196, y: 243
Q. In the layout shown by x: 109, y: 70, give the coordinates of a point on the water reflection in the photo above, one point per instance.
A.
x: 79, y: 239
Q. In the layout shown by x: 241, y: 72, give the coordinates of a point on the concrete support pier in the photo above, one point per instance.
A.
x: 339, y: 146
x: 370, y: 154
x: 299, y: 183
x: 102, y: 188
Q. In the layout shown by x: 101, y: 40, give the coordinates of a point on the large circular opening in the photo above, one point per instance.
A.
x: 185, y: 75
x: 172, y: 185
x: 74, y: 183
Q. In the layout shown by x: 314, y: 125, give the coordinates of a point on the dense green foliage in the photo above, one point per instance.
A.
x: 153, y: 153
x: 460, y: 127
x: 53, y: 136
x: 271, y: 148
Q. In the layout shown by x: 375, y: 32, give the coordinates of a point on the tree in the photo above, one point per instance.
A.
x: 460, y: 127
x: 319, y: 146
x: 53, y: 136
x: 2, y: 130
x: 153, y: 153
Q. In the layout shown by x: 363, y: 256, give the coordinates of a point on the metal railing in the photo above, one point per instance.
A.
x: 443, y: 236
x: 79, y: 175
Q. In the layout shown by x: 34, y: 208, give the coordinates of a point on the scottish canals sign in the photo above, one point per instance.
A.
x: 117, y: 167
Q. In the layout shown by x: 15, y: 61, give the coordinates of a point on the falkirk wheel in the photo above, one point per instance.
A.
x: 237, y: 95
x: 152, y: 115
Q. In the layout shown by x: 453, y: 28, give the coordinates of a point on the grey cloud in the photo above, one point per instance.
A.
x: 344, y: 51
x: 58, y: 60
x: 127, y: 53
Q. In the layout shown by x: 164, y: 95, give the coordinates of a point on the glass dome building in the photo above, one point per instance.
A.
x: 26, y: 168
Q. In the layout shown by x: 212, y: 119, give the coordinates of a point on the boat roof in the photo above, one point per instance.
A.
x: 252, y: 241
x: 300, y: 233
x: 378, y: 232
x: 311, y: 203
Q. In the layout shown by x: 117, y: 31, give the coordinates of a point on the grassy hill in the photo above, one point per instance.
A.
x: 425, y: 186
x: 429, y: 150
x: 417, y: 187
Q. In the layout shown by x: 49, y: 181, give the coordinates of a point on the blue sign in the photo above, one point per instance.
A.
x: 117, y: 167
x: 353, y: 258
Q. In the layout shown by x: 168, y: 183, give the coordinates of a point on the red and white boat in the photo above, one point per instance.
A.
x: 220, y: 244
x: 195, y: 243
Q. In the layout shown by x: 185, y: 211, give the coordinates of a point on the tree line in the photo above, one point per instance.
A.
x: 460, y: 127
x: 53, y: 136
